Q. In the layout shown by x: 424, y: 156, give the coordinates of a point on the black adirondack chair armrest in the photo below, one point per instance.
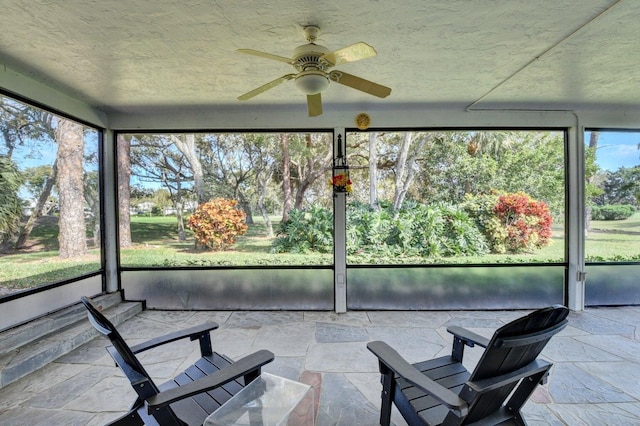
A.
x: 192, y: 333
x: 468, y: 337
x: 394, y: 362
x: 486, y: 385
x: 239, y: 368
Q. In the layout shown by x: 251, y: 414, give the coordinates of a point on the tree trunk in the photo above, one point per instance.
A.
x: 408, y: 165
x: 263, y: 182
x: 39, y: 208
x: 401, y: 164
x: 593, y: 144
x: 286, y: 177
x: 188, y: 148
x: 245, y: 206
x: 314, y: 170
x: 373, y: 171
x: 72, y: 236
x: 124, y: 190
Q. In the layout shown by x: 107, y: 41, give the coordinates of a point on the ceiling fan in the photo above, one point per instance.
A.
x: 313, y: 63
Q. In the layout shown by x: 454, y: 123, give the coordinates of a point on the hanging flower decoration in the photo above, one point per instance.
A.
x: 341, y: 183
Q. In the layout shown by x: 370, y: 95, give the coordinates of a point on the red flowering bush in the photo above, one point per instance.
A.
x: 511, y: 222
x: 217, y: 223
x: 527, y: 222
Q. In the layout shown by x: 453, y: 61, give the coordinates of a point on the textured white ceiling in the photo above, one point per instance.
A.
x: 139, y: 55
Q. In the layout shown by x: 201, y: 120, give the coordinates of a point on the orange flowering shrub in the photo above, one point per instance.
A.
x: 217, y: 223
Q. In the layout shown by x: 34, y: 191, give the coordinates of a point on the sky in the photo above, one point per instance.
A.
x: 617, y: 149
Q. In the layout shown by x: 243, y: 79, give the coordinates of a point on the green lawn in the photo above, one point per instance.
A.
x: 156, y: 244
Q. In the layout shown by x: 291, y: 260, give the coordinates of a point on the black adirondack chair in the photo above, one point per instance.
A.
x: 191, y: 396
x: 442, y: 392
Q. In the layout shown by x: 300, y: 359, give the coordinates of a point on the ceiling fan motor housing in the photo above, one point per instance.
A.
x: 312, y: 77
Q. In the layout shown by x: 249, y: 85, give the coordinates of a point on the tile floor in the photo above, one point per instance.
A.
x: 595, y: 379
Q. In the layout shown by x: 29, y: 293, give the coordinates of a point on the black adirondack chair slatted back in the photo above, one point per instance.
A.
x: 513, y: 346
x: 104, y: 326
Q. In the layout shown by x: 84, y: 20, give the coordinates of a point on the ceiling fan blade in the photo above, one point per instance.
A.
x: 314, y: 105
x: 265, y: 87
x: 266, y: 55
x: 352, y: 53
x: 361, y: 84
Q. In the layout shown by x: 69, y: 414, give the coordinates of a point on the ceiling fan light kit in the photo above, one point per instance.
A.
x: 311, y: 82
x: 312, y: 63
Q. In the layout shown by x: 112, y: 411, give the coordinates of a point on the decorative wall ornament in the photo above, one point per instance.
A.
x: 340, y: 181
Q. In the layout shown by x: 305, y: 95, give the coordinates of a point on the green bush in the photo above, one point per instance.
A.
x: 10, y: 207
x: 613, y: 212
x: 415, y: 230
x: 305, y: 231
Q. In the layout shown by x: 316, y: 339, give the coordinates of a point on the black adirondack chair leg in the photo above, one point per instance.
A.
x: 525, y: 390
x: 387, y: 393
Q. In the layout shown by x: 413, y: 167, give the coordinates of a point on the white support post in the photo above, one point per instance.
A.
x: 574, y: 228
x: 110, y: 208
x: 339, y: 238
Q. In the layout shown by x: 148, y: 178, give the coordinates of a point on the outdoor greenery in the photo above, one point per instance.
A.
x: 415, y: 197
x: 10, y: 205
x: 613, y: 212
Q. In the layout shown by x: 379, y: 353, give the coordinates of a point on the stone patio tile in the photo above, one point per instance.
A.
x: 470, y: 321
x: 342, y: 405
x: 598, y: 325
x: 349, y: 318
x: 102, y: 419
x: 259, y: 319
x: 334, y: 333
x: 287, y: 339
x: 633, y: 408
x: 594, y: 414
x: 629, y: 315
x: 22, y: 416
x: 288, y: 367
x: 570, y: 385
x: 234, y: 342
x: 340, y: 357
x: 200, y: 317
x: 502, y: 316
x: 62, y: 393
x: 628, y: 349
x: 413, y: 344
x: 111, y: 394
x: 409, y: 318
x: 570, y: 349
x: 368, y: 384
x: 622, y: 375
x: 570, y: 331
x: 594, y: 379
x: 34, y: 384
x: 540, y: 415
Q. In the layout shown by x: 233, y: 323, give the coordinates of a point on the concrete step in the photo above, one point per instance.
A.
x: 34, y: 330
x: 46, y: 339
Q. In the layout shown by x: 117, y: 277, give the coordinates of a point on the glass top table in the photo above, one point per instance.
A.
x: 269, y: 400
